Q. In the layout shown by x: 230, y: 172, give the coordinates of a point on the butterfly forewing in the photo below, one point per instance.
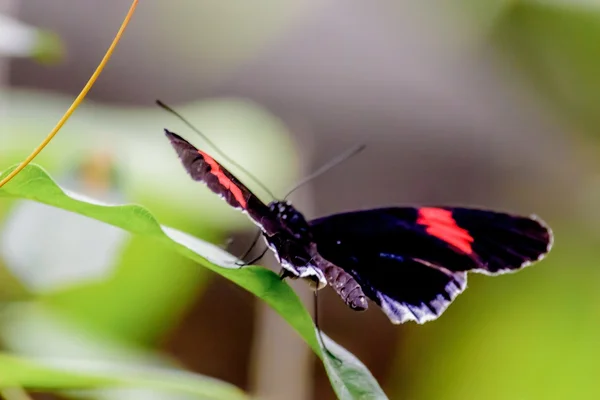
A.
x: 202, y: 167
x: 504, y: 242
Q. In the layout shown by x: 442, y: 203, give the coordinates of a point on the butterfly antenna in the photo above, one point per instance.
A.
x: 211, y: 144
x: 338, y: 160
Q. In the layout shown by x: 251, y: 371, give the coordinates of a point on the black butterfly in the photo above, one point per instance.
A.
x: 411, y: 261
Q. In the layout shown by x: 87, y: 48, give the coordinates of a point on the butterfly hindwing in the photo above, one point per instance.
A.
x: 408, y: 289
x: 413, y: 261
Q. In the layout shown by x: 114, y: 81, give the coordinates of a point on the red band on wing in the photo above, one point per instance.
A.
x: 439, y: 223
x: 228, y: 184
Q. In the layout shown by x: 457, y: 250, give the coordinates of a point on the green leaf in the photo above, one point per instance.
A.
x: 349, y: 377
x: 77, y: 374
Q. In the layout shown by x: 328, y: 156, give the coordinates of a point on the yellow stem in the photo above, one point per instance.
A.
x: 79, y: 98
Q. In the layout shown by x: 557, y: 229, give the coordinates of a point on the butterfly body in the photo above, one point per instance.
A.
x: 411, y: 261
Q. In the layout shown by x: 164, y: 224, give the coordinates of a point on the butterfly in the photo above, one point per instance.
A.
x: 410, y: 261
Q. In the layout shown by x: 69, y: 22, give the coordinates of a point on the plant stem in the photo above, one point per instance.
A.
x: 78, y: 99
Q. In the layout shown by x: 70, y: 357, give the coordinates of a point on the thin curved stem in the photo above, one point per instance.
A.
x: 78, y: 99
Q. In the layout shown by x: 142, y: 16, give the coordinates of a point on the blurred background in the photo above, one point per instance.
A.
x: 492, y: 103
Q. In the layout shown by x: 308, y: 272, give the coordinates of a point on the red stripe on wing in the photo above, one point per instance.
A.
x: 228, y: 184
x: 439, y: 223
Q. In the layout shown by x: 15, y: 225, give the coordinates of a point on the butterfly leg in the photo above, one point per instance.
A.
x: 285, y: 274
x: 254, y: 260
x: 319, y: 334
x: 254, y: 241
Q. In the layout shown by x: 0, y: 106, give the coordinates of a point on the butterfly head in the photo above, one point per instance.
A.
x: 291, y: 220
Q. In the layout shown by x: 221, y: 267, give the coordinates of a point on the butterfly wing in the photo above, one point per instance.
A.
x: 203, y: 168
x: 413, y: 262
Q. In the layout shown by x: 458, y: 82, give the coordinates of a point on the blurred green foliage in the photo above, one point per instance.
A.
x: 531, y: 335
x: 18, y: 39
x: 149, y: 287
x: 142, y: 298
x: 527, y: 336
x: 555, y: 45
x: 349, y: 377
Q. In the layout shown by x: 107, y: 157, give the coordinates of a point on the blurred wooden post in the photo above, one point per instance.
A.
x: 282, y: 363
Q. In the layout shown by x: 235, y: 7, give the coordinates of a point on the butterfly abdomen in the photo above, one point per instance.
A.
x: 344, y: 285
